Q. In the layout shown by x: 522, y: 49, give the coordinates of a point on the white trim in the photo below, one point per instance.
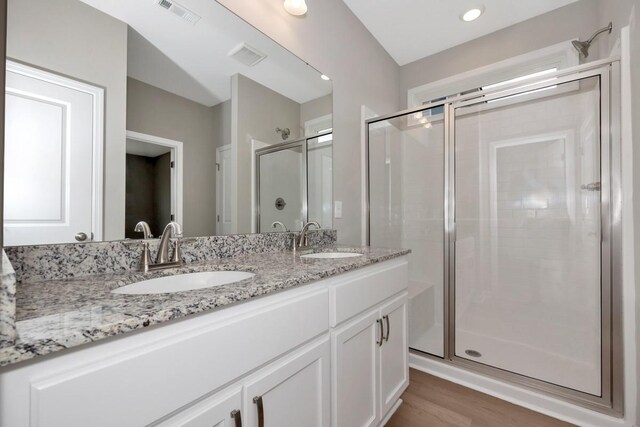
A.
x: 526, y: 398
x: 630, y: 315
x: 561, y: 55
x: 97, y: 93
x: 219, y: 192
x: 177, y: 173
x: 320, y: 124
x: 255, y: 145
x: 365, y: 114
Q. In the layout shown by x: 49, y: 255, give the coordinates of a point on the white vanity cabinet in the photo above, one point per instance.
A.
x: 268, y: 362
x: 220, y: 410
x: 369, y: 361
x: 294, y: 392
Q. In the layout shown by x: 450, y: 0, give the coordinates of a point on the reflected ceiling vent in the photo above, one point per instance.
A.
x: 246, y: 54
x: 179, y: 10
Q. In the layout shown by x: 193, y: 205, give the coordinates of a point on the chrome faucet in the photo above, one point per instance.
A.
x: 303, y: 239
x: 143, y: 227
x: 275, y: 224
x: 173, y: 229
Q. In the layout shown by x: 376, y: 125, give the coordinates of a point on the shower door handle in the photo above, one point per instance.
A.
x: 593, y: 186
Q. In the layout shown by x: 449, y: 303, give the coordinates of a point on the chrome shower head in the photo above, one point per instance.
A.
x: 583, y: 47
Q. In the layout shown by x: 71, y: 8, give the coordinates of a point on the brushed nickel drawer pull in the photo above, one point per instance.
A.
x: 237, y: 417
x: 258, y: 401
x: 386, y: 337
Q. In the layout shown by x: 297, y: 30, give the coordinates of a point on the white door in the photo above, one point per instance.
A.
x: 394, y: 366
x: 53, y: 144
x: 224, y: 179
x: 355, y: 365
x: 292, y: 393
x: 219, y: 410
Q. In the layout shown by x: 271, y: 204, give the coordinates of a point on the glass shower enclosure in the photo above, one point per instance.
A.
x: 507, y: 200
x: 294, y: 183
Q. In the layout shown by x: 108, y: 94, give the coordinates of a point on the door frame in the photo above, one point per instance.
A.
x: 97, y: 113
x: 219, y: 150
x: 177, y: 172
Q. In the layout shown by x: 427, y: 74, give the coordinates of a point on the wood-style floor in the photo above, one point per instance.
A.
x: 433, y: 402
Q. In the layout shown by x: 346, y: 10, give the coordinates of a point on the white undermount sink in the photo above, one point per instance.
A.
x: 331, y: 255
x: 183, y: 282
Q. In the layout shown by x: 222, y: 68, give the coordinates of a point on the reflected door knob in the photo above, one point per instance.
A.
x: 81, y: 237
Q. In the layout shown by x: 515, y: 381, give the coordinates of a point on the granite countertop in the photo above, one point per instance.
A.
x: 58, y: 314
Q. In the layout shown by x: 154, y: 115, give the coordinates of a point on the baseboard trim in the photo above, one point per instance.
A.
x: 518, y: 396
x: 392, y: 411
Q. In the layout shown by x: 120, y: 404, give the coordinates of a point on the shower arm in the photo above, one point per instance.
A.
x: 597, y: 33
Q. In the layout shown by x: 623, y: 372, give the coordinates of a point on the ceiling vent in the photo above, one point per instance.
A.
x: 246, y: 54
x: 179, y: 10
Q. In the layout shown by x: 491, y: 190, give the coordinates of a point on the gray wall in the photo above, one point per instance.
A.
x: 332, y: 39
x: 315, y: 108
x: 87, y: 45
x: 160, y: 113
x: 578, y: 19
x: 256, y: 111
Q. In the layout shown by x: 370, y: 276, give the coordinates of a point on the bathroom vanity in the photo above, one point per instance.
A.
x: 304, y: 342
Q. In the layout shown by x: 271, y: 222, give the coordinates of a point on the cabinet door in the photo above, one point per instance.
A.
x: 354, y: 367
x: 394, y: 353
x: 219, y: 410
x: 292, y: 392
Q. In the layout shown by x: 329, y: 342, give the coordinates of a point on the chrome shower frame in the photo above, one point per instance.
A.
x: 608, y: 72
x: 300, y: 142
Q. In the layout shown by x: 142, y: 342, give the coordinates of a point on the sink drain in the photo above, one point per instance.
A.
x: 473, y: 353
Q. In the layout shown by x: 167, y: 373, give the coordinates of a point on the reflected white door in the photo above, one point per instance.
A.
x: 53, y: 144
x: 223, y: 194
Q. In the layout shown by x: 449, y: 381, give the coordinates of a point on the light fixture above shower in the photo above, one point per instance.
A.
x: 583, y: 47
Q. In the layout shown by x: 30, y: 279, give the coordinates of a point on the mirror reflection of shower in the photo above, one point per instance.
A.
x: 583, y: 47
x: 293, y: 183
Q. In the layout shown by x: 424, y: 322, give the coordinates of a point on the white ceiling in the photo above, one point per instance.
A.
x: 412, y: 29
x: 192, y: 60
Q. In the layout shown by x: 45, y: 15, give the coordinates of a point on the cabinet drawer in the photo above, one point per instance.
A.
x: 357, y: 291
x: 140, y: 386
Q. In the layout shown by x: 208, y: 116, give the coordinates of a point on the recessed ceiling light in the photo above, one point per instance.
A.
x: 472, y: 14
x: 295, y: 7
x: 324, y: 77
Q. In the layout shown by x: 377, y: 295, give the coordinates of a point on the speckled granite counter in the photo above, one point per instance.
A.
x: 58, y: 314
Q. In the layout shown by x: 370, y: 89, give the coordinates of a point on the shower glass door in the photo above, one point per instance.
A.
x: 406, y: 201
x: 527, y: 263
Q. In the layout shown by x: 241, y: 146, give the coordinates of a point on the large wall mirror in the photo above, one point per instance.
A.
x: 119, y: 111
